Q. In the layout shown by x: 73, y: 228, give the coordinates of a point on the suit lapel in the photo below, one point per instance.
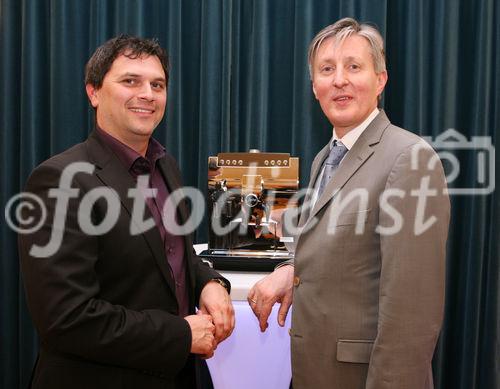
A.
x: 354, y: 159
x: 114, y: 175
x: 318, y: 162
x: 315, y: 169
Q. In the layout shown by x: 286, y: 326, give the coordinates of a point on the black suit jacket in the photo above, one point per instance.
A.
x: 104, y: 305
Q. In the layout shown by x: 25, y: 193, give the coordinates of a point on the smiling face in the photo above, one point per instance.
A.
x: 345, y: 82
x: 131, y: 101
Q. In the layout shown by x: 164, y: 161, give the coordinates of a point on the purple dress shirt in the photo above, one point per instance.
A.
x: 174, y: 245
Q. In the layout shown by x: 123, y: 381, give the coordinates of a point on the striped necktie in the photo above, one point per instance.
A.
x: 331, y: 164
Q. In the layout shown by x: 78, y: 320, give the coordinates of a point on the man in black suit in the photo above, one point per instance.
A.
x: 113, y: 294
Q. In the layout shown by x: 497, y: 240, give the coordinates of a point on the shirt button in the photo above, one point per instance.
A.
x: 296, y: 281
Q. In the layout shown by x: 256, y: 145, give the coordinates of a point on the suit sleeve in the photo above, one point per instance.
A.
x: 412, y: 277
x: 203, y: 275
x: 63, y: 292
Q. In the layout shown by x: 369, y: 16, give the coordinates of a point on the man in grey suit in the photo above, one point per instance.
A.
x: 368, y: 278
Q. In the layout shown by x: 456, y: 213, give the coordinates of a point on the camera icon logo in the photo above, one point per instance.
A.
x: 469, y: 164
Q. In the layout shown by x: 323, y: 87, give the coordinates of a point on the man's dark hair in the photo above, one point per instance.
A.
x: 129, y: 46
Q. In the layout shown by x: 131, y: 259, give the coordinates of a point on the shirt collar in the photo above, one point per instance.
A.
x: 129, y: 156
x: 352, y: 136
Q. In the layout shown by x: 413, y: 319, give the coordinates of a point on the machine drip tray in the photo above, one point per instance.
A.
x: 245, y: 260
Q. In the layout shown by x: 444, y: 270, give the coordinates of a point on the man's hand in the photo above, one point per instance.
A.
x: 215, y: 301
x: 202, y: 334
x: 276, y: 287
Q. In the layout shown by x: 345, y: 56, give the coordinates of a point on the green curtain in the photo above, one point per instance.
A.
x: 239, y: 80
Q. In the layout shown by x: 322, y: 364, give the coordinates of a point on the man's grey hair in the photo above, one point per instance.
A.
x: 340, y: 31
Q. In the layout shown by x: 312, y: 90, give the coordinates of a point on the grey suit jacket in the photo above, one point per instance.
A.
x: 370, y: 267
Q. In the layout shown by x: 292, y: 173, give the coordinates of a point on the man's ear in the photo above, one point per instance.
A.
x: 92, y: 93
x: 382, y: 81
x: 314, y: 90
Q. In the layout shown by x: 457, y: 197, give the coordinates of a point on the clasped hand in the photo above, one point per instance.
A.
x: 214, y: 321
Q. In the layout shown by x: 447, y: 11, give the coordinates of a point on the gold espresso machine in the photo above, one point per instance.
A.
x: 246, y: 191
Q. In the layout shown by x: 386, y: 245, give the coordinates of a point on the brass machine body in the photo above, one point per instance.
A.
x: 244, y: 190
